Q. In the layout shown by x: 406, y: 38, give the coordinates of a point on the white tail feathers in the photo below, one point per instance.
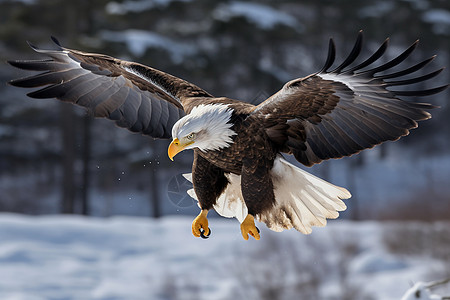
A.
x: 302, y: 199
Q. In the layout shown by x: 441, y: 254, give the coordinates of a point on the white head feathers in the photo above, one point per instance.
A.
x: 210, y: 125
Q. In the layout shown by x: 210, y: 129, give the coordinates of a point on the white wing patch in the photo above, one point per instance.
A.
x: 358, y: 85
x: 302, y: 199
x: 140, y: 75
x: 342, y: 79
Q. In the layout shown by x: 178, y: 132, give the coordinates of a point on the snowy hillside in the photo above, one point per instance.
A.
x: 62, y: 257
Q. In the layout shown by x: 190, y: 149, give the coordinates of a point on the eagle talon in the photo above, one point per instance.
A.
x: 200, y: 225
x: 202, y: 233
x: 248, y: 228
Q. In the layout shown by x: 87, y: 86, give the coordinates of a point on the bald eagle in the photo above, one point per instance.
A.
x: 238, y: 167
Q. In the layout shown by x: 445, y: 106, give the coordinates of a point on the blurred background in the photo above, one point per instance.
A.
x: 55, y: 159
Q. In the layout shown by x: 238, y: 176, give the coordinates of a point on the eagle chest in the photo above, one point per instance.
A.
x: 250, y: 142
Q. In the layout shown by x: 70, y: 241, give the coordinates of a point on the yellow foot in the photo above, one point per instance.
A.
x: 200, y: 225
x: 248, y: 227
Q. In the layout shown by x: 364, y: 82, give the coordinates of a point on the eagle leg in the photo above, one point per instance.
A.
x: 248, y: 227
x: 200, y: 225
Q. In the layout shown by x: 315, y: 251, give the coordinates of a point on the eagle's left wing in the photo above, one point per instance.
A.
x: 331, y: 114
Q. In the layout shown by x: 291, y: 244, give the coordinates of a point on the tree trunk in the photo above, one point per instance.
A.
x: 154, y: 191
x: 154, y: 186
x: 87, y: 138
x: 68, y: 157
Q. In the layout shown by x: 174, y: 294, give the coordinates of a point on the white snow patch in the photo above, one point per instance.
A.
x: 138, y: 41
x: 440, y: 18
x: 116, y: 8
x: 423, y: 291
x: 376, y: 261
x: 419, y: 4
x: 378, y: 9
x: 261, y: 15
x: 437, y: 16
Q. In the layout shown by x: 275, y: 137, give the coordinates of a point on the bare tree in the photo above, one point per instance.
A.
x: 68, y: 159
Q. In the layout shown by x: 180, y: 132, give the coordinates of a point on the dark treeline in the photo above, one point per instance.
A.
x: 56, y: 159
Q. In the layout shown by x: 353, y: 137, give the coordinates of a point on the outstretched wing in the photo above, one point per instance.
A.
x: 137, y: 97
x: 331, y: 114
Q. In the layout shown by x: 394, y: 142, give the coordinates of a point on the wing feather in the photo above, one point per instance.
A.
x: 89, y: 96
x: 156, y: 116
x: 130, y: 111
x: 374, y: 57
x: 37, y: 65
x: 331, y: 114
x: 113, y: 101
x: 47, y: 78
x: 358, y: 136
x: 331, y: 56
x: 346, y: 144
x: 408, y: 70
x: 414, y: 80
x: 353, y: 54
x: 138, y: 124
x: 392, y: 63
x: 124, y: 112
x: 59, y: 90
x: 144, y: 117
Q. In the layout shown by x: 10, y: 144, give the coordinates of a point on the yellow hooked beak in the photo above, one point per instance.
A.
x: 176, y: 146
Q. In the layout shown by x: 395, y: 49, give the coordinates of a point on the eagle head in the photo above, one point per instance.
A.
x: 207, y: 128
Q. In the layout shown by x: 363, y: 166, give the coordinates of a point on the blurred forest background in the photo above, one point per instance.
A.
x: 55, y: 159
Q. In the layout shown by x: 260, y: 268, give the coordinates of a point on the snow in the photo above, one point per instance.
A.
x: 73, y: 257
x: 261, y: 15
x: 440, y: 18
x: 419, y: 4
x: 437, y: 16
x: 424, y: 291
x: 138, y: 41
x: 378, y: 9
x: 376, y: 261
x: 125, y: 7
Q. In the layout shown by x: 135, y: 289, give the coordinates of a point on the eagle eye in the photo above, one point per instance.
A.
x: 190, y: 136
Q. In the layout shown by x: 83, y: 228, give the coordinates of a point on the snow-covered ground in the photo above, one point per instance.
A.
x: 72, y: 257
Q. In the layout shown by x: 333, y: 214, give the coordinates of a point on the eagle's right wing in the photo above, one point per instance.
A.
x: 137, y: 97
